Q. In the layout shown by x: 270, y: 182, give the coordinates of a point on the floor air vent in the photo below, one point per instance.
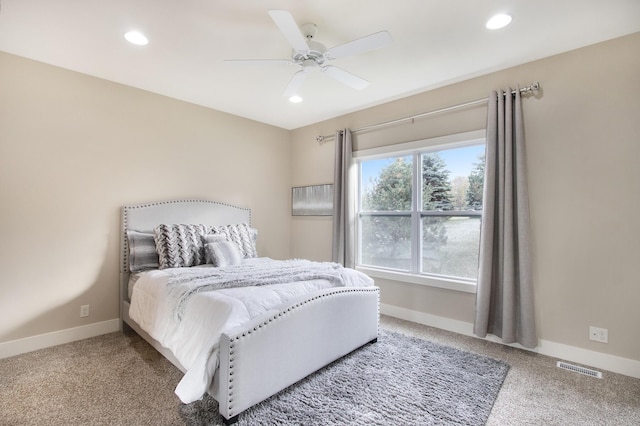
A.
x: 581, y: 370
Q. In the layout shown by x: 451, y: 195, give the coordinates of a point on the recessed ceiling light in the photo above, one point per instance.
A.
x: 498, y: 21
x: 136, y: 37
x: 295, y: 99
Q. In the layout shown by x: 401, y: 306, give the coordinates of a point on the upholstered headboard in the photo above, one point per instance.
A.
x: 145, y: 217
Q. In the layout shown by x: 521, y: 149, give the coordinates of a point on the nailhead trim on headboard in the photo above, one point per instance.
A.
x: 125, y: 222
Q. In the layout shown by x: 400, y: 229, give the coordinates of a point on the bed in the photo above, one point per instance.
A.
x: 275, y: 333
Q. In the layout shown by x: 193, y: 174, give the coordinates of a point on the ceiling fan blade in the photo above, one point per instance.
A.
x: 345, y: 77
x: 361, y: 45
x: 283, y: 61
x: 294, y: 83
x: 289, y: 29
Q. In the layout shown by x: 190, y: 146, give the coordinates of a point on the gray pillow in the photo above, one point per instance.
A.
x: 222, y: 253
x: 213, y: 238
x: 142, y: 251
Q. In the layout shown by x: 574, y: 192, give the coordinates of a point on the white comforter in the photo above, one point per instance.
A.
x: 194, y: 339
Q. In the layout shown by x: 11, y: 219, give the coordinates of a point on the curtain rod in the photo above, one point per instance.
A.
x: 532, y: 88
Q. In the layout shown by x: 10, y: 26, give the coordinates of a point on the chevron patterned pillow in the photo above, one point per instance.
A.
x: 242, y: 234
x: 180, y: 246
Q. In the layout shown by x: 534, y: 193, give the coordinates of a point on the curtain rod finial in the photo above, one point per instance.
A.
x: 533, y: 88
x: 319, y: 139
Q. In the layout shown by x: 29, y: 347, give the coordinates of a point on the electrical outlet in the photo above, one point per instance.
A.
x: 599, y: 334
x: 84, y: 310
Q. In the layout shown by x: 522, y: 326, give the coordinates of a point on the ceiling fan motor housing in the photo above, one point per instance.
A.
x: 315, y: 52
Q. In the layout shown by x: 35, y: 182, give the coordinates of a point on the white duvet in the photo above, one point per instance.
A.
x: 207, y: 314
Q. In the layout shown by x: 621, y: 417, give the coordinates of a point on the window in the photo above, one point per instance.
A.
x: 419, y: 211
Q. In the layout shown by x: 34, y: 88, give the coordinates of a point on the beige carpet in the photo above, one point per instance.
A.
x: 118, y: 379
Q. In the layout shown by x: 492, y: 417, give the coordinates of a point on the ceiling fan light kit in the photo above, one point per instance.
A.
x: 311, y: 55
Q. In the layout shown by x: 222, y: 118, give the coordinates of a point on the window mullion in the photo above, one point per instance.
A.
x: 416, y: 240
x: 358, y: 217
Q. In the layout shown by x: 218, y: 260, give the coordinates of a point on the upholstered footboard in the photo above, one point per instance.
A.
x: 276, y: 350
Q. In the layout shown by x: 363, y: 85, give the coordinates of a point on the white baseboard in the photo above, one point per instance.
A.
x: 587, y: 357
x: 41, y: 341
x: 616, y: 364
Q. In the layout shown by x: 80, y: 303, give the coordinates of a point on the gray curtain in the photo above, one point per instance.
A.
x: 504, y: 299
x: 344, y: 201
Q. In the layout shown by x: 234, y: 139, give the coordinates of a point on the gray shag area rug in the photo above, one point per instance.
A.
x: 400, y: 380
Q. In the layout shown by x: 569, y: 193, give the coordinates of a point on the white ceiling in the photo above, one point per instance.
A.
x: 435, y: 42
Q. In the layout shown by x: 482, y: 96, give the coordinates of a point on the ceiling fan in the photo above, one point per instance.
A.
x: 313, y: 56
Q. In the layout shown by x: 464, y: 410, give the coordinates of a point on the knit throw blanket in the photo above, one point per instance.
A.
x: 185, y: 282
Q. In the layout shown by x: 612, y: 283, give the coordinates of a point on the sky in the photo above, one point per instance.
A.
x: 460, y: 162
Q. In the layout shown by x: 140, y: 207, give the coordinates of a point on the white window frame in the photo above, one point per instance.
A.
x: 412, y: 148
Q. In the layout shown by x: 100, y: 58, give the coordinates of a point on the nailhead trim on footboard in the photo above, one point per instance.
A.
x: 276, y: 317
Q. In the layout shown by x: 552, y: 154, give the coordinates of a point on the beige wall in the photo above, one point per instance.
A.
x: 74, y: 149
x: 583, y: 146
